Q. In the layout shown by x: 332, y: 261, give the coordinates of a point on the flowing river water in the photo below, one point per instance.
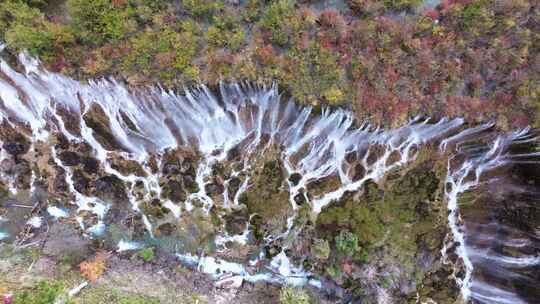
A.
x: 496, y: 260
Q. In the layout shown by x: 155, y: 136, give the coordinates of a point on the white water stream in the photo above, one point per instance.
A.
x: 146, y: 123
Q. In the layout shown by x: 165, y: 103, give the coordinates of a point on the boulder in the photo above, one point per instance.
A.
x: 110, y: 188
x: 69, y: 158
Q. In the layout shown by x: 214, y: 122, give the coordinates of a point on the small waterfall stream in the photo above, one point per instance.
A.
x: 481, y: 158
x: 145, y: 125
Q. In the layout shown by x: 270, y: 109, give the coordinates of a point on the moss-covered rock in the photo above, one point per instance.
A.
x: 3, y: 190
x: 267, y: 198
x: 196, y: 231
x: 236, y: 221
x: 126, y: 166
x: 399, y: 226
x: 174, y: 190
x: 154, y: 208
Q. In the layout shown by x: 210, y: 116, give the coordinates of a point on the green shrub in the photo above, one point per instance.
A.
x: 333, y: 271
x: 252, y: 10
x: 477, y: 14
x: 320, y: 249
x: 347, y: 243
x: 37, y: 3
x: 16, y: 12
x: 226, y: 32
x: 402, y: 4
x: 385, y: 282
x: 276, y: 20
x: 333, y: 95
x: 154, y: 5
x: 45, y: 43
x: 314, y: 75
x: 20, y: 37
x: 289, y: 295
x: 26, y: 28
x: 202, y: 8
x: 164, y: 52
x: 147, y: 254
x: 44, y: 293
x: 13, y: 11
x: 98, y: 21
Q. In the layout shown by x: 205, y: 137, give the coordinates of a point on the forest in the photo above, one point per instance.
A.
x: 385, y: 60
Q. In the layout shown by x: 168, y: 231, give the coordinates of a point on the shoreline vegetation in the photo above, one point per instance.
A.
x: 386, y: 60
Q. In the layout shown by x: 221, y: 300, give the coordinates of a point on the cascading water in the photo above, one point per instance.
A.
x: 113, y: 125
x: 493, y: 266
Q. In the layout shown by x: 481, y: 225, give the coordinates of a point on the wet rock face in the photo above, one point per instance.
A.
x: 233, y: 186
x: 166, y: 229
x: 71, y: 120
x: 81, y: 182
x: 15, y: 148
x: 505, y: 210
x: 178, y: 175
x: 110, y: 188
x: 70, y: 158
x: 324, y: 185
x: 215, y: 188
x: 196, y: 231
x: 175, y: 191
x: 190, y: 184
x: 516, y: 206
x: 236, y: 221
x: 126, y: 166
x: 180, y: 160
x: 435, y: 286
x: 7, y: 165
x: 23, y: 174
x: 14, y: 143
x: 96, y: 119
x: 3, y: 191
x: 380, y: 242
x: 59, y: 185
x: 295, y: 178
x: 90, y: 165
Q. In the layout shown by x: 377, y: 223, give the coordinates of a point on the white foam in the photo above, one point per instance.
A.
x: 57, y: 212
x: 35, y: 221
x: 219, y: 268
x: 124, y: 245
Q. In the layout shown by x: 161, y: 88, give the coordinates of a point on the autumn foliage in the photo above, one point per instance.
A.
x: 387, y: 60
x: 93, y: 268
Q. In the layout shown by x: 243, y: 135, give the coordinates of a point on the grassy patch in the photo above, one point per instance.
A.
x: 290, y: 295
x: 100, y: 295
x: 45, y: 292
x: 147, y: 254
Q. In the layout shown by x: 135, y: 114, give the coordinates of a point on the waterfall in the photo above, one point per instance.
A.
x: 146, y: 125
x: 484, y: 153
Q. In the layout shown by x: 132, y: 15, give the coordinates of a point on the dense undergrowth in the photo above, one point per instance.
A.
x: 385, y: 59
